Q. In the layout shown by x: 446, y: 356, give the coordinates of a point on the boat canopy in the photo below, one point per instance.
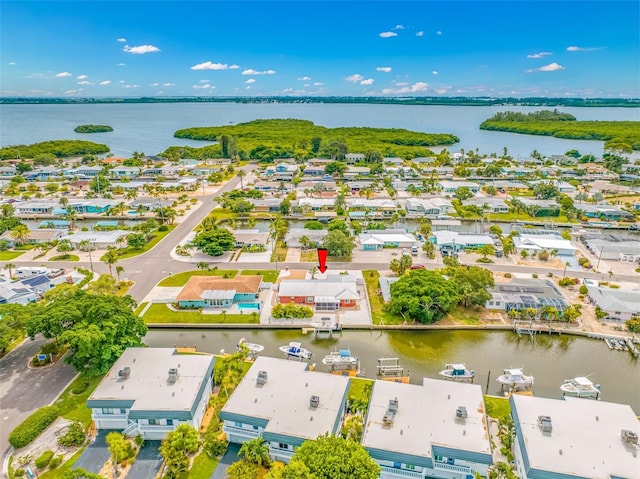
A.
x: 582, y: 381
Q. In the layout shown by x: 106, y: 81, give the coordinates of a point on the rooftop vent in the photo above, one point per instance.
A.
x: 314, y: 401
x: 393, y: 405
x: 262, y: 377
x: 545, y: 423
x: 629, y: 437
x: 124, y: 373
x: 390, y: 414
x: 173, y: 375
x: 461, y: 412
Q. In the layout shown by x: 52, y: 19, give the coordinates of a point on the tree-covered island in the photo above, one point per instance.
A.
x: 286, y: 138
x: 93, y: 129
x: 617, y: 135
x: 57, y: 148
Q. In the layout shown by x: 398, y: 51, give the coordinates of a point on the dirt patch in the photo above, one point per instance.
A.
x: 107, y: 470
x: 47, y: 441
x: 552, y: 263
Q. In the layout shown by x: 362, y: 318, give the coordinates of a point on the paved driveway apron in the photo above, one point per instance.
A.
x: 229, y: 458
x: 95, y: 455
x: 147, y: 463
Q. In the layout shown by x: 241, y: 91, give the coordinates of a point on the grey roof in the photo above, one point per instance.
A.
x: 529, y: 293
x: 585, y: 440
x: 147, y: 385
x: 283, y: 400
x: 616, y: 300
x: 385, y: 287
x: 426, y: 418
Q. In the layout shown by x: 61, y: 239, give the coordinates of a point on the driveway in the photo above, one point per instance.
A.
x: 95, y: 455
x: 229, y: 458
x: 148, y: 461
x: 23, y: 390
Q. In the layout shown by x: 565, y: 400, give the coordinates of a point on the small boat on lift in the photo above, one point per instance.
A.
x: 514, y: 378
x: 253, y: 348
x: 341, y: 359
x: 294, y: 350
x: 580, y: 387
x: 457, y: 372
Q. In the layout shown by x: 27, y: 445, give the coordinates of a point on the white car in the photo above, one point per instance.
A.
x: 590, y: 282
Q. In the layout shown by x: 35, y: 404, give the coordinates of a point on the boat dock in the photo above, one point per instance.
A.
x: 389, y: 369
x: 618, y: 343
x: 324, y: 328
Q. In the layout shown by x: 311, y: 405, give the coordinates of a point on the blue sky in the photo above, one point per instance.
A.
x: 393, y: 48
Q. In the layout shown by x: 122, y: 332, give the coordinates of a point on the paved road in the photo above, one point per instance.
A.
x: 23, y: 390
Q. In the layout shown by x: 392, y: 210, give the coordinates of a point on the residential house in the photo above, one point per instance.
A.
x: 96, y: 239
x: 374, y: 207
x: 112, y: 160
x: 38, y: 236
x: 446, y: 240
x: 15, y: 292
x: 285, y: 404
x: 610, y: 246
x: 150, y: 204
x: 434, y: 430
x: 129, y: 172
x: 593, y: 171
x: 315, y: 204
x: 430, y: 207
x: 315, y: 237
x: 521, y: 294
x: 166, y: 171
x: 154, y: 159
x: 352, y: 158
x: 35, y: 207
x: 516, y: 172
x: 329, y: 294
x: 551, y: 242
x: 249, y: 238
x: 604, y: 212
x: 489, y: 204
x: 424, y: 160
x: 42, y: 174
x: 150, y: 391
x: 539, y: 208
x: 354, y: 172
x: 217, y: 292
x: 508, y: 185
x: 268, y: 186
x: 314, y: 171
x: 282, y: 171
x: 609, y: 188
x: 574, y: 438
x: 84, y: 172
x: 93, y: 206
x: 267, y: 205
x: 8, y: 171
x: 378, y: 239
x: 450, y: 187
x: 392, y: 161
x: 563, y: 186
x: 619, y: 304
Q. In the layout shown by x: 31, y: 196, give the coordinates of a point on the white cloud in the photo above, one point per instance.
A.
x: 210, y: 66
x: 434, y: 72
x: 442, y: 91
x: 73, y: 92
x: 154, y: 84
x: 304, y: 78
x: 247, y: 88
x: 287, y: 90
x: 206, y: 86
x: 250, y: 81
x: 355, y: 78
x: 105, y: 82
x: 582, y: 49
x: 141, y: 49
x: 388, y: 34
x: 121, y: 64
x: 121, y: 40
x: 318, y: 83
x: 368, y: 81
x: 168, y: 84
x: 384, y: 69
x: 63, y: 74
x: 85, y: 82
x: 306, y: 84
x: 398, y: 27
x: 539, y: 55
x: 251, y: 71
x: 418, y: 87
x: 11, y: 63
x: 439, y: 32
x: 130, y: 86
x: 551, y: 67
x: 420, y: 33
x: 205, y: 81
x: 234, y: 67
x: 82, y: 77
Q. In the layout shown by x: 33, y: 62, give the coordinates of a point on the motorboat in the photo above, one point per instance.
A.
x: 253, y: 348
x: 580, y: 387
x: 457, y: 372
x: 341, y: 359
x: 514, y: 378
x: 294, y: 350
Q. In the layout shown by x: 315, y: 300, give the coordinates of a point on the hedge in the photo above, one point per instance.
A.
x: 44, y: 459
x: 31, y: 427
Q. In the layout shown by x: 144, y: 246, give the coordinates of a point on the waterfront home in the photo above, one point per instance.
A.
x: 97, y: 239
x: 314, y: 237
x: 454, y: 241
x: 593, y: 171
x: 376, y: 207
x: 378, y: 239
x: 93, y: 206
x: 552, y: 242
x: 539, y: 208
x: 420, y: 207
x: 352, y: 158
x: 38, y: 236
x: 574, y: 437
x: 489, y: 204
x: 285, y: 404
x: 250, y: 237
x: 35, y: 207
x: 325, y: 294
x: 434, y: 430
x: 523, y: 293
x: 508, y: 185
x: 217, y: 292
x: 618, y: 304
x: 166, y: 171
x: 563, y: 186
x: 270, y: 186
x: 315, y: 204
x: 42, y: 174
x: 125, y: 172
x: 267, y: 205
x: 604, y: 212
x: 83, y: 172
x: 150, y: 391
x: 609, y: 188
x: 450, y: 187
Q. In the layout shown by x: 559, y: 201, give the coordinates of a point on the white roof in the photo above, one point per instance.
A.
x: 319, y: 287
x: 382, y: 237
x: 96, y: 236
x: 541, y: 241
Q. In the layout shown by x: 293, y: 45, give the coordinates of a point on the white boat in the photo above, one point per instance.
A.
x: 340, y: 359
x: 457, y: 372
x: 295, y: 351
x: 253, y: 348
x: 580, y: 387
x: 515, y: 379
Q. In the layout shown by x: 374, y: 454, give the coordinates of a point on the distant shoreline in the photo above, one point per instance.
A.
x: 422, y: 101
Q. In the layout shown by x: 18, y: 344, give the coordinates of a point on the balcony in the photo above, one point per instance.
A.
x: 453, y: 468
x: 386, y: 471
x: 242, y: 432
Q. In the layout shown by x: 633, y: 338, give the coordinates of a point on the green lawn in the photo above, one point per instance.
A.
x: 157, y: 236
x: 461, y: 315
x: 280, y: 251
x: 9, y: 255
x: 160, y: 313
x: 64, y: 469
x: 65, y: 257
x: 202, y: 467
x: 73, y: 407
x: 357, y: 388
x: 525, y: 217
x: 268, y: 276
x: 497, y: 407
x: 180, y: 279
x: 378, y: 315
x: 311, y: 256
x: 140, y: 308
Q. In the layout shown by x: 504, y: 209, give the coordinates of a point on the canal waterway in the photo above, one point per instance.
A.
x: 550, y: 359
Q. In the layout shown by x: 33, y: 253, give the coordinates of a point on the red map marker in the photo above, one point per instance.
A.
x: 322, y: 259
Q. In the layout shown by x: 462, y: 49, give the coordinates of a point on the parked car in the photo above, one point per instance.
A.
x: 414, y: 251
x: 417, y: 266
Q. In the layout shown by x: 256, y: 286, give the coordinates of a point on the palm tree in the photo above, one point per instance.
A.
x: 85, y: 245
x: 71, y: 216
x: 203, y: 265
x: 20, y: 233
x: 110, y: 258
x: 10, y: 267
x: 256, y: 452
x: 313, y: 272
x: 241, y: 174
x: 131, y: 194
x: 119, y: 271
x: 305, y: 241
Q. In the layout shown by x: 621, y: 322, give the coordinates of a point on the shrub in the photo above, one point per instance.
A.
x: 163, y: 228
x: 291, y: 310
x: 44, y: 459
x: 508, y: 275
x: 634, y: 325
x: 19, y: 473
x: 568, y: 281
x: 32, y: 426
x: 80, y: 388
x: 534, y: 275
x: 214, y: 446
x: 74, y: 436
x: 543, y: 256
x: 583, y: 289
x: 582, y: 261
x: 56, y: 461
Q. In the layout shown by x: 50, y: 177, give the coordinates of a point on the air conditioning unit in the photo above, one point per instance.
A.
x: 314, y: 401
x: 124, y: 373
x: 173, y: 375
x: 393, y: 405
x: 461, y: 412
x: 629, y: 437
x: 262, y: 377
x: 545, y: 423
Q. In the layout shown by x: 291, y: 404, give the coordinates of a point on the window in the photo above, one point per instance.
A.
x: 237, y: 424
x: 123, y: 411
x: 169, y: 422
x: 309, y: 299
x: 411, y: 467
x: 282, y: 445
x: 107, y: 410
x: 153, y: 422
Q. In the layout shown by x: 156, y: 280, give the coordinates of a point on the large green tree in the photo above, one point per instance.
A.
x: 176, y: 448
x: 214, y: 241
x: 338, y: 243
x: 473, y: 284
x: 423, y: 296
x: 328, y: 457
x: 97, y: 328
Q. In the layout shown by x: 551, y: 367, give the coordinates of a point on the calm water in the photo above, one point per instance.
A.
x: 550, y: 359
x: 149, y: 128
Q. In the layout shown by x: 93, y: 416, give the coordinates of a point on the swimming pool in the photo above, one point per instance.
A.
x: 248, y: 306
